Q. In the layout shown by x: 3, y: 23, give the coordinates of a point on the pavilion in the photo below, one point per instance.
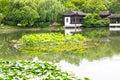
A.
x: 73, y: 20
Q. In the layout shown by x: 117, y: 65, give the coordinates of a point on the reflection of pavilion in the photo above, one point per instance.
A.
x: 73, y: 20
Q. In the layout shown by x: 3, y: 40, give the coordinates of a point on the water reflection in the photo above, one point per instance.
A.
x: 8, y: 52
x: 106, y: 49
x: 104, y: 69
x: 97, y: 63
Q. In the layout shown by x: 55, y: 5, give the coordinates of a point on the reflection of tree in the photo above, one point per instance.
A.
x: 107, y: 49
x: 7, y: 51
x: 71, y: 57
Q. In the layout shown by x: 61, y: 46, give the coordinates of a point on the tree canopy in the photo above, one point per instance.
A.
x: 115, y: 6
x: 94, y: 20
x: 89, y: 6
x: 23, y: 12
x: 31, y: 12
x: 49, y: 9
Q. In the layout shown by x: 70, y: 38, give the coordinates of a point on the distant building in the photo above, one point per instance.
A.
x: 73, y: 20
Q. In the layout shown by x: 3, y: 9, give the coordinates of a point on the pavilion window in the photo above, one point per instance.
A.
x: 72, y: 20
x: 76, y: 20
x: 118, y: 20
x: 80, y: 20
x: 113, y: 20
x: 66, y: 20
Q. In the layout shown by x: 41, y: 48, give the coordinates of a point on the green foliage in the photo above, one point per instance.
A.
x: 10, y: 23
x: 25, y: 70
x: 94, y: 6
x: 1, y: 18
x: 42, y: 24
x: 94, y: 20
x: 4, y: 7
x: 90, y: 6
x: 63, y: 1
x: 115, y: 6
x: 75, y: 4
x: 52, y: 43
x: 86, y: 78
x: 32, y: 12
x: 22, y: 13
x: 49, y: 10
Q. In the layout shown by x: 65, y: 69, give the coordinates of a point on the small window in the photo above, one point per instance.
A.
x: 66, y: 20
x: 72, y: 20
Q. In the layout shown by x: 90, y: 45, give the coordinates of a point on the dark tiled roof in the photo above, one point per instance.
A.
x: 114, y: 16
x: 104, y: 13
x: 71, y: 13
x: 80, y: 13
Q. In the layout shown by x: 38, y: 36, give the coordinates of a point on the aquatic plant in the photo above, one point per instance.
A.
x: 25, y: 70
x: 52, y: 42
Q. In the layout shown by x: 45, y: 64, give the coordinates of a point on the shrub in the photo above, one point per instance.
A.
x: 43, y: 24
x: 10, y: 23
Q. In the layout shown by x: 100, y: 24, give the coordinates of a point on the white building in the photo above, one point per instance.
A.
x: 73, y: 20
x: 114, y: 22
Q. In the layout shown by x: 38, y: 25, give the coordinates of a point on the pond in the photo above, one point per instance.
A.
x: 98, y: 63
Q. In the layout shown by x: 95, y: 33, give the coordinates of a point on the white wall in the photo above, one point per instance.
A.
x: 65, y: 21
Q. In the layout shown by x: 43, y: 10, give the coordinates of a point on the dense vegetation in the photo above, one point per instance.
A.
x: 25, y: 70
x: 95, y: 20
x: 52, y: 43
x: 28, y: 13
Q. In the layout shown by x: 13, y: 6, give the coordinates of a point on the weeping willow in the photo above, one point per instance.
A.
x: 49, y: 9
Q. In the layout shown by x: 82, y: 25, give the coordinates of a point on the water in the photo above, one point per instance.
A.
x: 7, y: 50
x: 98, y: 63
x: 104, y: 69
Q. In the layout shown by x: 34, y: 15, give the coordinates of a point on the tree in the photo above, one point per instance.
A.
x: 90, y: 6
x: 75, y: 4
x: 94, y: 6
x: 4, y: 9
x: 1, y: 18
x: 63, y: 1
x: 4, y: 6
x: 23, y: 12
x: 49, y: 10
x: 115, y: 6
x: 94, y: 20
